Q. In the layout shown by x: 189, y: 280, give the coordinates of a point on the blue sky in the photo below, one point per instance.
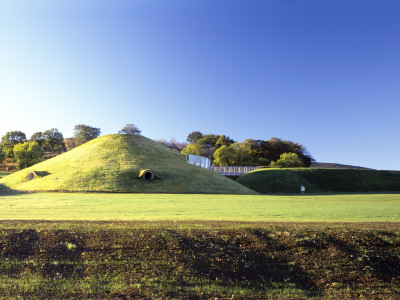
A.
x: 325, y: 74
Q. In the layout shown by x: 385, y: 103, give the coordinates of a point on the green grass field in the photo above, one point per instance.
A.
x: 156, y: 207
x: 180, y: 246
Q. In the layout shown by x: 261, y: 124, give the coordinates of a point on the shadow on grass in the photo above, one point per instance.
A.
x: 4, y: 190
x: 59, y: 252
x: 231, y: 262
x: 42, y: 173
x: 374, y: 253
x: 19, y: 244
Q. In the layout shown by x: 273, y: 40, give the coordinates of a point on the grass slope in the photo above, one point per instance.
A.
x: 112, y: 163
x: 128, y: 260
x: 321, y: 180
x: 156, y: 207
x: 323, y: 165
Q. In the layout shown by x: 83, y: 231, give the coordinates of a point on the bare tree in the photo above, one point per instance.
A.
x: 130, y: 129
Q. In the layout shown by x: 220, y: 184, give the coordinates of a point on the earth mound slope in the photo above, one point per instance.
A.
x: 113, y: 163
x: 267, y: 181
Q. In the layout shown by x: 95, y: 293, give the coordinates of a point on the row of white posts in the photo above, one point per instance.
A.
x: 230, y: 170
x: 205, y: 163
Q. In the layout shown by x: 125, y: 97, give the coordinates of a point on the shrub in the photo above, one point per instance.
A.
x: 288, y: 160
x: 28, y: 154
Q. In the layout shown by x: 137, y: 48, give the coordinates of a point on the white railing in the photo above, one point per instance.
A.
x: 233, y: 170
x: 199, y: 161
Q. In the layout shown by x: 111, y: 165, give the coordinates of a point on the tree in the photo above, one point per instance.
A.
x: 173, y: 144
x: 194, y: 149
x: 2, y: 155
x: 10, y: 139
x: 28, y: 154
x: 272, y: 149
x: 208, y: 142
x: 71, y: 143
x: 237, y: 154
x: 224, y: 141
x: 288, y: 160
x: 130, y: 129
x: 304, y: 155
x: 14, y: 137
x: 251, y: 152
x: 38, y: 138
x: 224, y: 156
x: 53, y: 139
x: 8, y: 150
x: 194, y: 136
x: 84, y: 133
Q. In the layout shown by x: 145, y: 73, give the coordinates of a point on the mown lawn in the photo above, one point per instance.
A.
x: 155, y: 207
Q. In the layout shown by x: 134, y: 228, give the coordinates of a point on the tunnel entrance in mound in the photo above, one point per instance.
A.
x: 148, y: 175
x: 31, y: 175
x: 37, y: 174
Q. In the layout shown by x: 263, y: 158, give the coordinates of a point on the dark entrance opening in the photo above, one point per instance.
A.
x: 148, y: 175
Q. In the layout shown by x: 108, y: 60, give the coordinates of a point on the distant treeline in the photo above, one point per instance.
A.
x: 224, y: 151
x: 16, y: 148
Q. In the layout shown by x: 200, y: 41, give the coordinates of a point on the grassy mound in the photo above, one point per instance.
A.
x: 112, y: 163
x: 132, y: 260
x: 320, y: 180
x: 322, y: 165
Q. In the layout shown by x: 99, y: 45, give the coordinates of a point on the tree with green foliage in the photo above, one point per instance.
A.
x: 224, y: 140
x: 53, y: 139
x: 209, y: 142
x: 258, y: 149
x: 224, y: 156
x: 237, y: 154
x: 194, y: 136
x: 288, y: 160
x: 14, y: 137
x: 38, y: 138
x: 272, y: 149
x: 8, y: 150
x: 130, y: 129
x: 194, y: 149
x: 10, y: 139
x: 28, y: 154
x: 251, y: 152
x: 2, y: 155
x: 84, y: 133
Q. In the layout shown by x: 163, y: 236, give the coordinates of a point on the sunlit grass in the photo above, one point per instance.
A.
x: 154, y: 207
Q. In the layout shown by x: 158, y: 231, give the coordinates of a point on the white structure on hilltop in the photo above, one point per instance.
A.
x: 199, y: 161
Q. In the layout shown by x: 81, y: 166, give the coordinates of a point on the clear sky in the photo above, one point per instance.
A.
x: 324, y: 73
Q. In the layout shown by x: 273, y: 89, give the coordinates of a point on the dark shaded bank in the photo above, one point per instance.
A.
x: 199, y: 260
x: 321, y: 180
